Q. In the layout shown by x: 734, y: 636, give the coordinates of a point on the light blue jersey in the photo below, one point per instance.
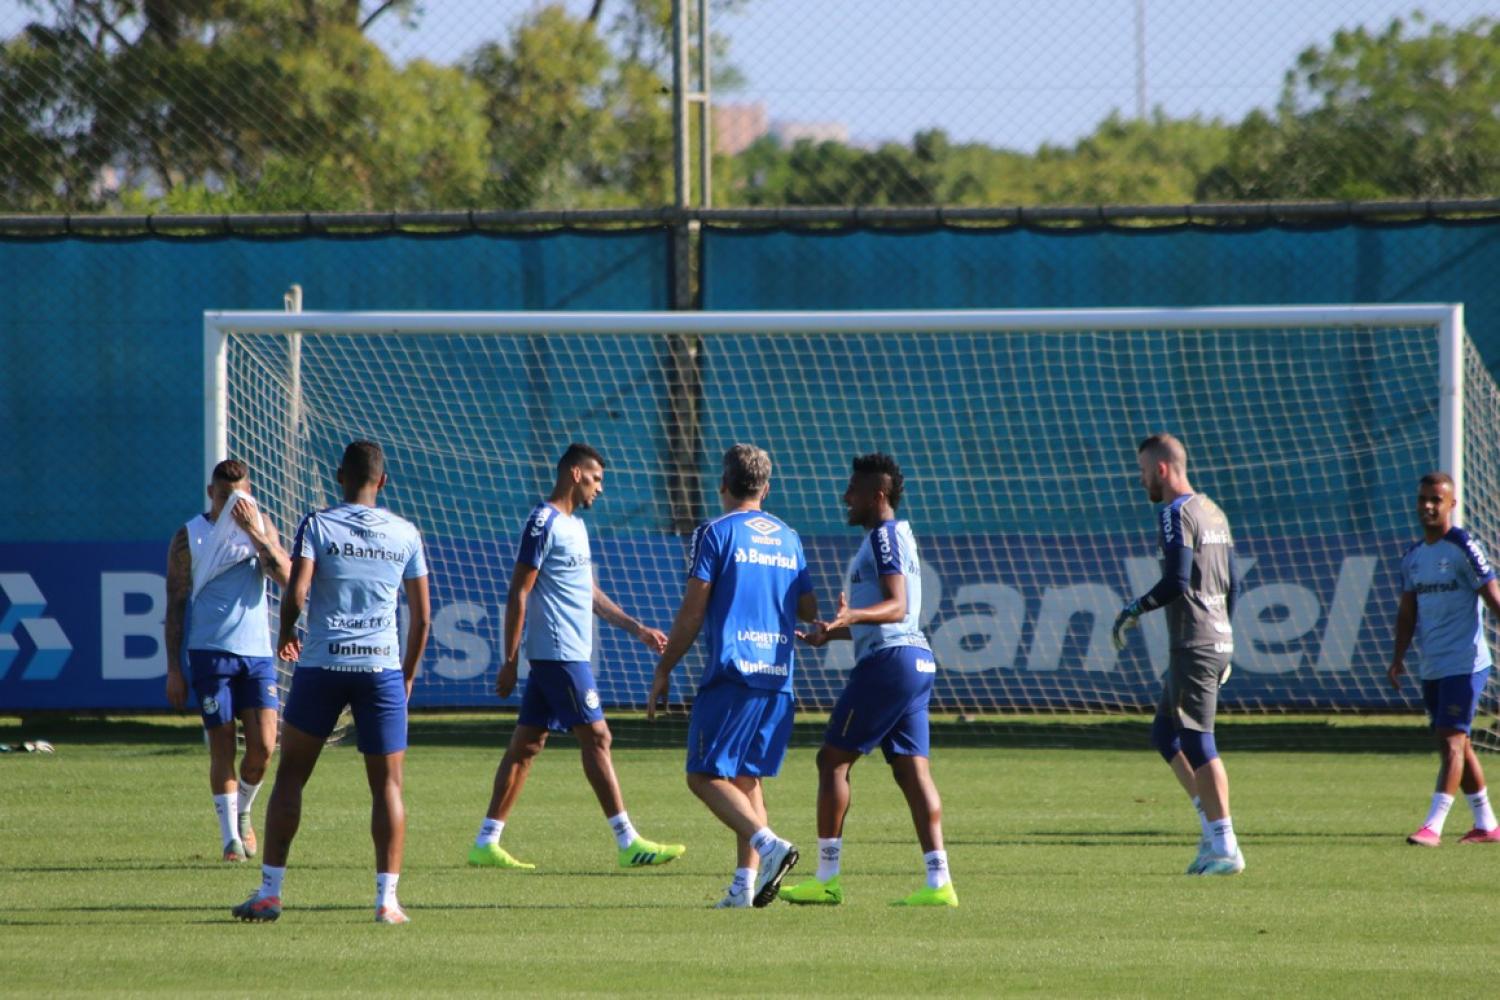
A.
x: 560, y: 614
x: 758, y: 572
x: 1445, y: 577
x: 889, y: 550
x: 361, y: 555
x: 230, y: 613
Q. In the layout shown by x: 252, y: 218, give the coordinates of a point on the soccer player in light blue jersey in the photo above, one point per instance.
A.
x: 748, y: 582
x: 552, y: 601
x: 350, y: 563
x: 885, y: 701
x: 226, y: 629
x: 1444, y: 578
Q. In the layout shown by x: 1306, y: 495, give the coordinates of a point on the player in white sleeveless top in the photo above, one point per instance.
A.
x: 223, y: 627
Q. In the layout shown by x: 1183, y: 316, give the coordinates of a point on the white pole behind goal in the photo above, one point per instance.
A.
x: 215, y: 394
x: 1451, y: 338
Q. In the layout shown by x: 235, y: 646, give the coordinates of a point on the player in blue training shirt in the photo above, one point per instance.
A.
x: 228, y: 640
x: 553, y: 598
x: 349, y: 563
x: 1197, y: 590
x: 884, y: 704
x: 748, y: 582
x: 1444, y: 577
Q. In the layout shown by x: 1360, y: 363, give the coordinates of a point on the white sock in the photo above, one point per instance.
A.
x: 385, y: 888
x: 1438, y: 814
x: 1484, y: 816
x: 829, y: 851
x: 744, y: 878
x: 1203, y: 827
x: 489, y: 832
x: 270, y: 880
x: 937, y: 869
x: 764, y: 841
x: 624, y: 831
x: 247, y: 795
x: 1224, y: 841
x: 224, y: 806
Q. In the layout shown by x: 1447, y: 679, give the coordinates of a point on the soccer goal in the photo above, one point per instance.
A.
x: 1016, y: 431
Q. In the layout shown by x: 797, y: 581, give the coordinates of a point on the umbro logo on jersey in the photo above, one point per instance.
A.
x: 366, y: 515
x: 763, y: 525
x: 23, y: 615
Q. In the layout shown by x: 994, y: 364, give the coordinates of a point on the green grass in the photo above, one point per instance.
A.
x: 1067, y: 861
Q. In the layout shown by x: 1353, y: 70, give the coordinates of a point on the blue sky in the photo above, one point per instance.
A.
x: 1007, y: 72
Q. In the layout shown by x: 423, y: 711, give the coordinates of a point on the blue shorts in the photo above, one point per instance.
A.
x: 738, y: 731
x: 226, y: 684
x: 1452, y: 701
x: 559, y: 695
x: 885, y: 704
x: 378, y: 698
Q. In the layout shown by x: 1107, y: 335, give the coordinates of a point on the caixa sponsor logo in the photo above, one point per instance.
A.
x: 1278, y: 628
x: 23, y: 603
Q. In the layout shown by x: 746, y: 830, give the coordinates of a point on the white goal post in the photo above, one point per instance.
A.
x: 1016, y: 429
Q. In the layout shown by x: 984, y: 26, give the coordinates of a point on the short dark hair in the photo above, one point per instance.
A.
x: 880, y: 464
x: 363, y: 462
x: 231, y: 470
x: 1164, y: 448
x: 1439, y: 479
x: 576, y: 455
x: 747, y: 471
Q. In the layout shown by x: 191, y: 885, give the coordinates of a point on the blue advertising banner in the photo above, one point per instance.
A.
x: 1015, y: 621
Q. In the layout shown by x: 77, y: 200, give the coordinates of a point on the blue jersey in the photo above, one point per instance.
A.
x: 1445, y: 577
x: 757, y: 570
x: 560, y: 614
x: 889, y: 550
x: 230, y: 613
x: 361, y: 555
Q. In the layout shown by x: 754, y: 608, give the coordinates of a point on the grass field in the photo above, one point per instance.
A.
x: 1067, y: 862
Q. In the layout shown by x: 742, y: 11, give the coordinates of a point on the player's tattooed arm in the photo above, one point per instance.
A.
x: 267, y: 541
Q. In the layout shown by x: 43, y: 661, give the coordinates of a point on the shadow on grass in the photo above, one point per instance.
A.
x: 1310, y: 734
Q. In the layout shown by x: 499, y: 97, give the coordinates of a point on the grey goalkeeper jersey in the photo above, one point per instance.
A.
x: 1200, y: 617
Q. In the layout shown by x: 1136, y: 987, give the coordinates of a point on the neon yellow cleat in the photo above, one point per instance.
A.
x: 944, y: 895
x: 642, y: 853
x: 494, y: 856
x: 828, y: 893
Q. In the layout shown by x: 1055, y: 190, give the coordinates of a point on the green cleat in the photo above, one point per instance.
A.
x: 828, y: 893
x: 494, y: 856
x: 944, y: 895
x: 642, y: 853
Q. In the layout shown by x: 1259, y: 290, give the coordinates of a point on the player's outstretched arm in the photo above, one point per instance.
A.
x: 685, y: 629
x: 288, y: 645
x: 179, y: 585
x: 522, y: 580
x: 419, y: 625
x: 1406, y: 624
x: 654, y: 638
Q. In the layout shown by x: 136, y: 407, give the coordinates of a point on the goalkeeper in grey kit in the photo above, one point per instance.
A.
x: 1197, y: 589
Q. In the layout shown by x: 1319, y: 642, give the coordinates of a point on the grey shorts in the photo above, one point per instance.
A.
x: 1190, y: 691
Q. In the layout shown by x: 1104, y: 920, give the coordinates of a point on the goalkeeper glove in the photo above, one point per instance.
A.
x: 1128, y: 618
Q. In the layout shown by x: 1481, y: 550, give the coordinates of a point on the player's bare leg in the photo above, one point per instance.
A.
x: 594, y: 741
x: 259, y: 727
x: 388, y: 830
x: 834, y: 790
x: 1486, y: 829
x: 914, y: 776
x: 510, y: 777
x: 760, y: 855
x: 299, y: 756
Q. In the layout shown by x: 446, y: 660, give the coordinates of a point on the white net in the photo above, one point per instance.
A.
x: 1018, y: 448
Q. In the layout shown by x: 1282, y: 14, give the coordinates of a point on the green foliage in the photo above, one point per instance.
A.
x: 1384, y: 114
x: 266, y: 105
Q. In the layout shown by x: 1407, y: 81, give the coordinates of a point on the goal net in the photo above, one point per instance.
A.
x: 1016, y: 431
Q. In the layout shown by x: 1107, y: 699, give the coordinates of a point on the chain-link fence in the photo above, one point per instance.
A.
x: 215, y: 106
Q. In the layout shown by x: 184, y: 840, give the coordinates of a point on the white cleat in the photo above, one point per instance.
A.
x: 773, y: 868
x: 1218, y: 864
x: 1205, y: 851
x: 734, y: 900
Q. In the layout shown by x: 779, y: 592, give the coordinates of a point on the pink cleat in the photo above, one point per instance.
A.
x: 1478, y: 836
x: 1425, y: 837
x: 392, y: 914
